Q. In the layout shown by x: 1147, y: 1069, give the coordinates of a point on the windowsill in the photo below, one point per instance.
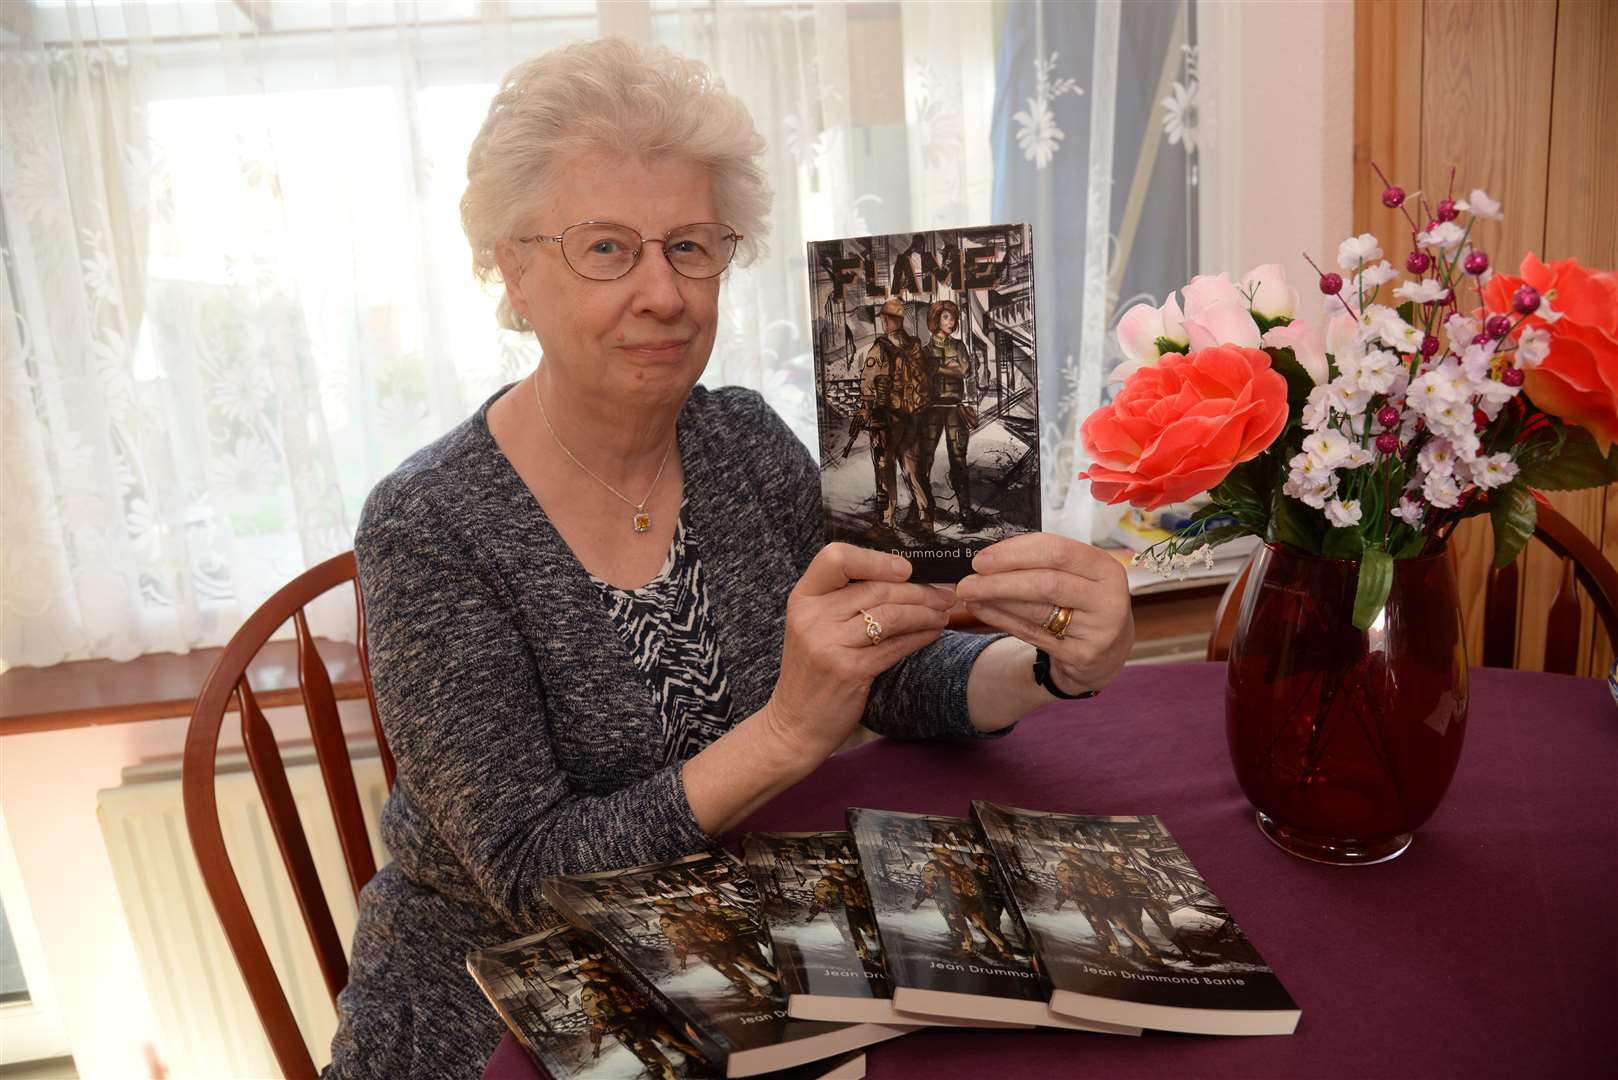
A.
x: 159, y: 686
x: 162, y: 686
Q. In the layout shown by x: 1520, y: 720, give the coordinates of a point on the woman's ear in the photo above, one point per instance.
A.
x: 505, y: 255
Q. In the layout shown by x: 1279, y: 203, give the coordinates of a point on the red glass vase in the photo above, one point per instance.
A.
x: 1345, y: 740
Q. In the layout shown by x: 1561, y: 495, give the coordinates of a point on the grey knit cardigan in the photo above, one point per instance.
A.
x: 524, y: 738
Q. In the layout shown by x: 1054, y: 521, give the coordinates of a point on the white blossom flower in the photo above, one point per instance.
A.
x: 1376, y: 371
x: 1460, y: 329
x: 1475, y: 362
x: 1441, y: 490
x: 1437, y: 458
x: 1428, y: 391
x: 1546, y: 312
x: 1492, y: 395
x: 1327, y: 448
x: 1343, y: 512
x: 1317, y: 409
x: 1344, y: 395
x: 1377, y: 275
x: 1357, y: 456
x: 1421, y: 292
x: 1384, y: 322
x: 1478, y: 204
x: 1494, y: 470
x: 1533, y: 347
x: 1446, y: 235
x: 1358, y: 249
x: 1308, y: 482
x: 1409, y: 511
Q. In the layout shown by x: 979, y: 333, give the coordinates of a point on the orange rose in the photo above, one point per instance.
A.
x: 1578, y: 380
x: 1178, y: 427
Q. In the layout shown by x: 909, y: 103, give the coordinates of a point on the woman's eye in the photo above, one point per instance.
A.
x: 687, y: 247
x: 604, y: 247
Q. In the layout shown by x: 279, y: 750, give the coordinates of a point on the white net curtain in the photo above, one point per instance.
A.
x: 235, y: 290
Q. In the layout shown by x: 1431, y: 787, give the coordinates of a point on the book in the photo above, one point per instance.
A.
x: 927, y: 392
x: 689, y: 934
x: 579, y: 1018
x: 576, y: 1014
x: 1145, y: 941
x: 817, y: 909
x: 940, y: 912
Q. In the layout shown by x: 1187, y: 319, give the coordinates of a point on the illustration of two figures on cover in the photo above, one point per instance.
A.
x: 925, y: 355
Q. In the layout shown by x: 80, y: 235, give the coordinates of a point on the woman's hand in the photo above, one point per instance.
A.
x: 828, y: 661
x: 1019, y: 582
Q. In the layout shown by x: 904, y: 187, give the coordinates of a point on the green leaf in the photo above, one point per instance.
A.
x: 1512, y: 512
x: 1342, y: 544
x: 1371, y: 594
x: 1299, y: 381
x: 1579, y: 464
x: 1214, y: 537
x: 1407, y: 311
x: 1293, y: 524
x: 1242, y: 486
x: 1169, y: 345
x: 1266, y: 324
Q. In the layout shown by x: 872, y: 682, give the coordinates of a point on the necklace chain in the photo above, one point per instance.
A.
x: 642, y: 520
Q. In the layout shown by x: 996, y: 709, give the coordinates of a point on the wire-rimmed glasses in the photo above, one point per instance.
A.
x: 604, y: 251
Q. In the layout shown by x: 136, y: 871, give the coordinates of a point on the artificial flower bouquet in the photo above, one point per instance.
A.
x: 1371, y: 434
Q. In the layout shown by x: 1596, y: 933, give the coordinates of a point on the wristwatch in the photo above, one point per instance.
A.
x: 1042, y: 675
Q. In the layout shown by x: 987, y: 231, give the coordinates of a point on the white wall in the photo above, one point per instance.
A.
x: 48, y: 786
x: 1279, y: 178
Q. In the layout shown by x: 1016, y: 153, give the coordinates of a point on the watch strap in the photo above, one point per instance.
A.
x: 1042, y: 676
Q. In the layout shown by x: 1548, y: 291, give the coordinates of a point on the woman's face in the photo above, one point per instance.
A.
x: 643, y: 339
x: 946, y: 322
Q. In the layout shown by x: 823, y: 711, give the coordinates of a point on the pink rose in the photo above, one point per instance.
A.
x: 1308, y: 345
x: 1179, y: 427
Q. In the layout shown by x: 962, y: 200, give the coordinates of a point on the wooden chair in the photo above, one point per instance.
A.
x: 1582, y: 563
x: 227, y: 683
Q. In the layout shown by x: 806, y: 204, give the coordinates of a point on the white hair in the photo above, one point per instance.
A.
x: 611, y: 96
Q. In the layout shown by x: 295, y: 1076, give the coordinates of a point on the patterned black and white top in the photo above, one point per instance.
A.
x: 672, y: 641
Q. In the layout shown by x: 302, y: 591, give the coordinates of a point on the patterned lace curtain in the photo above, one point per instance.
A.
x: 236, y: 291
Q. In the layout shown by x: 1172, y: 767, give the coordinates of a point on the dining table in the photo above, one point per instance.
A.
x: 1489, y: 948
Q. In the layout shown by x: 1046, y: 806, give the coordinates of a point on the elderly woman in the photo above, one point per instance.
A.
x: 604, y: 627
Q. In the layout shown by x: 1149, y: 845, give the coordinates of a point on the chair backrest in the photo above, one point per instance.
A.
x: 1582, y: 563
x: 228, y: 683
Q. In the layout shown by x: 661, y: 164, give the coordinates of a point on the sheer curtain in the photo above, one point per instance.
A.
x: 236, y: 292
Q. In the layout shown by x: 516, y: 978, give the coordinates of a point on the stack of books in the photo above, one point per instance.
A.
x: 816, y: 945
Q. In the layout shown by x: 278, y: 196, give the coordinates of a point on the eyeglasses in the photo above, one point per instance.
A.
x: 602, y: 251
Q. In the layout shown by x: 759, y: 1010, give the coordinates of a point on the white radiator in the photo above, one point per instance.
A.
x: 206, y: 1022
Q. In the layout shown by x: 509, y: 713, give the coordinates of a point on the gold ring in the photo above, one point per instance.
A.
x: 873, y: 629
x: 1056, y: 622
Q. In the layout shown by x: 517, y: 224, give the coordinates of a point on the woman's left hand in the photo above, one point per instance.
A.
x: 1019, y: 583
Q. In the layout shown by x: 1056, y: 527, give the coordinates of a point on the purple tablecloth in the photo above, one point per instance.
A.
x: 1489, y: 948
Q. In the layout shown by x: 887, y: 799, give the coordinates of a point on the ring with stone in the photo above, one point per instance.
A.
x: 873, y: 629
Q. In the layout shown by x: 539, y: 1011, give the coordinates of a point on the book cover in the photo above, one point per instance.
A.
x: 576, y: 1014
x: 927, y: 392
x: 818, y: 912
x: 951, y: 950
x: 689, y: 933
x: 1126, y: 929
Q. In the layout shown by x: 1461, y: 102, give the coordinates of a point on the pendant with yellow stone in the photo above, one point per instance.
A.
x: 643, y: 521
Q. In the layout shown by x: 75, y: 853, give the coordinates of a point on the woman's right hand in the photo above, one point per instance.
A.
x: 828, y: 661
